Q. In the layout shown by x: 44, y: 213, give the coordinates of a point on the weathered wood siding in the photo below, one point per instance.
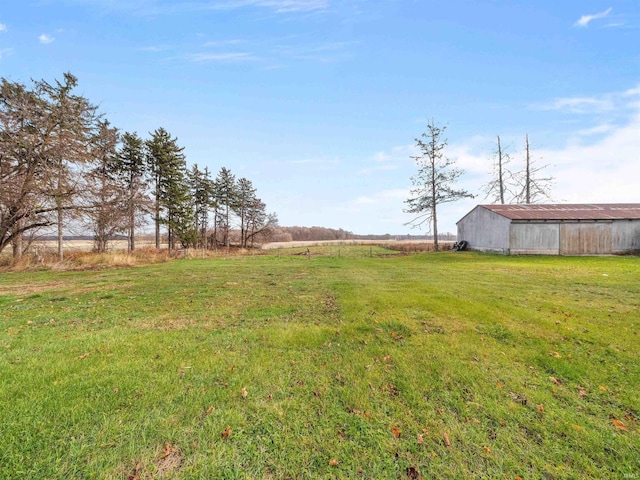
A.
x: 625, y: 236
x: 485, y: 230
x: 534, y: 238
x: 585, y: 238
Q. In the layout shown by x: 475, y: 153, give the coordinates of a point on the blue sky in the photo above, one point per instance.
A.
x: 318, y: 102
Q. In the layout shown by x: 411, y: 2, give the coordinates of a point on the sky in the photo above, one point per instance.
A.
x: 319, y: 102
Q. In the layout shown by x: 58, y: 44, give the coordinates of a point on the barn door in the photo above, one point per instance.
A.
x: 585, y: 239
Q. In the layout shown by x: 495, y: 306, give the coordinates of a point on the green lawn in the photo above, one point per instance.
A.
x: 450, y: 365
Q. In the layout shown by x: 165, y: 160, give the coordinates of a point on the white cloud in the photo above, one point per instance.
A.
x: 154, y: 48
x: 46, y: 39
x: 584, y: 20
x: 617, y: 101
x: 4, y: 52
x: 158, y: 7
x: 280, y: 6
x: 607, y: 170
x: 229, y: 57
x: 3, y: 27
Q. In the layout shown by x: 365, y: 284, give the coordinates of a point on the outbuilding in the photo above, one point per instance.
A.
x: 553, y: 229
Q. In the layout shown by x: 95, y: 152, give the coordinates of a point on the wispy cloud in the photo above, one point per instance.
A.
x: 225, y: 43
x: 46, y: 39
x: 584, y: 20
x: 154, y: 48
x: 3, y: 27
x: 230, y: 57
x: 4, y: 52
x: 618, y: 101
x: 279, y: 6
x: 157, y: 7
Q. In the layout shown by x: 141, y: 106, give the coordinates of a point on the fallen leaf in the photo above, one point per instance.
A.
x: 226, y: 432
x: 499, y: 384
x: 540, y: 408
x: 569, y: 356
x: 396, y: 432
x: 210, y: 410
x: 116, y: 390
x: 487, y: 450
x: 582, y: 393
x: 518, y: 478
x: 555, y: 380
x: 577, y: 427
x: 110, y: 444
x: 83, y: 356
x: 244, y: 392
x: 333, y: 462
x: 447, y: 442
x: 134, y: 475
x: 420, y: 439
x: 168, y: 450
x: 618, y: 424
x: 232, y: 368
x: 602, y: 388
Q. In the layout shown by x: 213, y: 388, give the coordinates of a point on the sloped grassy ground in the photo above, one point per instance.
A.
x: 450, y: 365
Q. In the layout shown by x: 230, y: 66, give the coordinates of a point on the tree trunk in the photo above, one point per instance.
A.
x: 132, y: 222
x: 527, y: 185
x: 500, y: 177
x: 435, y: 229
x: 157, y: 220
x: 17, y: 241
x: 60, y: 252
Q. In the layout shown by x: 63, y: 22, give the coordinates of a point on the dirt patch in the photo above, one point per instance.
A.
x: 28, y: 289
x: 169, y: 461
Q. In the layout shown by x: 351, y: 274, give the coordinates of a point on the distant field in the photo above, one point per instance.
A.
x: 114, y: 245
x: 366, y: 365
x: 87, y: 245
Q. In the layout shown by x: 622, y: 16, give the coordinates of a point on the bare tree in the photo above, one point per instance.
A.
x: 499, y: 189
x: 433, y: 184
x: 71, y: 123
x: 534, y: 185
x: 258, y: 223
x: 45, y: 133
x: 104, y: 193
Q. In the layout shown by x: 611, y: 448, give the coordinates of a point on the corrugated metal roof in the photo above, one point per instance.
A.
x: 558, y: 211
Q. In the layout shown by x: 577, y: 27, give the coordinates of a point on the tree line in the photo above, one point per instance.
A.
x: 63, y: 164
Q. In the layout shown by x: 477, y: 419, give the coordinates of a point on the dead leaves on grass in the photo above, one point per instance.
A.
x: 620, y: 425
x: 169, y: 461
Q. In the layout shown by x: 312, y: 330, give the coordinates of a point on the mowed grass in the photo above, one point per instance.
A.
x: 449, y: 365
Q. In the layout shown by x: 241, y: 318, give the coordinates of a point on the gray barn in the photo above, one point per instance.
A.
x: 553, y: 229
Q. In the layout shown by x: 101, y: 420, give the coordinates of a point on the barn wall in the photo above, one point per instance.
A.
x: 625, y: 236
x: 534, y: 238
x: 485, y: 230
x: 585, y: 238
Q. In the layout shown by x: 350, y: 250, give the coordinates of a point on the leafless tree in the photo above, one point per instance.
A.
x: 105, y: 195
x: 44, y: 135
x: 500, y: 188
x: 433, y: 184
x: 534, y: 184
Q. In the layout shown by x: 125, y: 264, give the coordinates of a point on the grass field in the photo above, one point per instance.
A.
x: 368, y: 365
